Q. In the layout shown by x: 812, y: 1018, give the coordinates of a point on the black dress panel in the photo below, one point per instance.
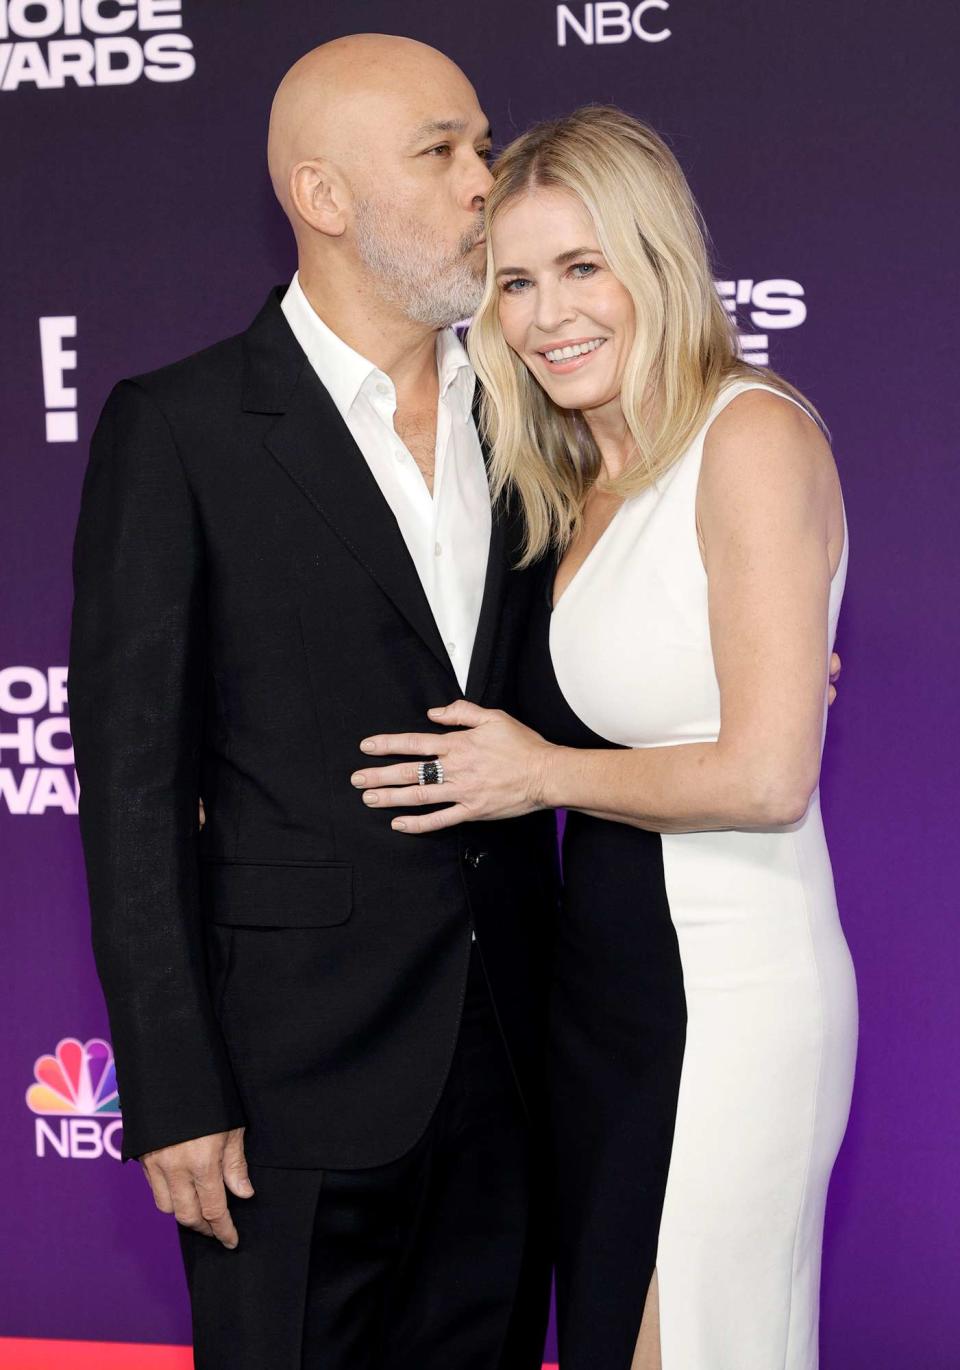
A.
x: 616, y: 1041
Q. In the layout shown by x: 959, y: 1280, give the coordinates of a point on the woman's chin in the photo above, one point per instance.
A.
x: 580, y: 397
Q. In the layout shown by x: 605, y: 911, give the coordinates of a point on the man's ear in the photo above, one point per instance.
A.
x: 319, y: 195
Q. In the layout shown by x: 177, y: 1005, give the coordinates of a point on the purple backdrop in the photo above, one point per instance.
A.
x: 138, y: 225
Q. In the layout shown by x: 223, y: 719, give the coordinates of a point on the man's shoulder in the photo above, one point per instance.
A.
x: 259, y: 364
x: 202, y: 376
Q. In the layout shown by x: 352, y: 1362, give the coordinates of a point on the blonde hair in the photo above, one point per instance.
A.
x: 653, y: 238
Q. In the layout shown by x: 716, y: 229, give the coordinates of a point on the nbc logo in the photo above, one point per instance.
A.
x: 613, y: 21
x: 75, y: 1097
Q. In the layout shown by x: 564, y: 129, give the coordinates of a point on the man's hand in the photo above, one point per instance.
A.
x: 190, y: 1181
x: 835, y: 669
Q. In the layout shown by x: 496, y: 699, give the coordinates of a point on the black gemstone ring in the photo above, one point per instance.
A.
x: 430, y: 773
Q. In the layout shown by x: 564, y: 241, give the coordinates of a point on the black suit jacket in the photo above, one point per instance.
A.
x: 246, y: 611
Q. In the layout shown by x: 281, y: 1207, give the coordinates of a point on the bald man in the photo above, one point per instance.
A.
x: 328, y: 1037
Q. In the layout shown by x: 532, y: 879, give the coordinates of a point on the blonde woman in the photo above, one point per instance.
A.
x: 687, y: 513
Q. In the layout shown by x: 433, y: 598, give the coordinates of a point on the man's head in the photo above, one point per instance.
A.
x: 378, y: 153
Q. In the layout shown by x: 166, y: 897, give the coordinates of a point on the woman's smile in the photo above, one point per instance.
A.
x: 560, y: 358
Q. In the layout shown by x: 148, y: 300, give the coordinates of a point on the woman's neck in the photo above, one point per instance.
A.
x: 611, y: 432
x: 615, y: 442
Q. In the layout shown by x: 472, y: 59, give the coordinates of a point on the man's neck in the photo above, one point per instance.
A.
x: 400, y: 347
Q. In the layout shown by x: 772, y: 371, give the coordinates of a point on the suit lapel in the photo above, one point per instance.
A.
x: 315, y: 447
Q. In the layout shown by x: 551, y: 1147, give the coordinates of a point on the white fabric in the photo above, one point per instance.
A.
x: 447, y: 534
x: 771, y: 996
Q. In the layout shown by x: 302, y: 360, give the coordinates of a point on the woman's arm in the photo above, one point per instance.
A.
x: 771, y: 525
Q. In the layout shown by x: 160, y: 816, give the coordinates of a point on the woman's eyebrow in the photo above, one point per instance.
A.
x: 560, y: 260
x: 572, y: 252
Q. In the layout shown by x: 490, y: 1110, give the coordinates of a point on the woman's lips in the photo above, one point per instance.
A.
x: 570, y: 363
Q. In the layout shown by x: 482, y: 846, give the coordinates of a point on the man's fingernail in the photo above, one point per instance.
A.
x: 246, y: 1186
x: 366, y: 745
x: 431, y: 712
x: 399, y: 825
x: 371, y: 797
x: 358, y: 779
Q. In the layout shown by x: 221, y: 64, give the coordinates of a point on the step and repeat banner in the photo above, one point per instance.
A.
x: 138, y: 225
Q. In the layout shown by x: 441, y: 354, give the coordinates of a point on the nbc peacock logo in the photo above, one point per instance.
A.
x: 74, y: 1096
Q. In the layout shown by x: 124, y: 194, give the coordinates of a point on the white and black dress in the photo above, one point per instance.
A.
x: 704, y: 1013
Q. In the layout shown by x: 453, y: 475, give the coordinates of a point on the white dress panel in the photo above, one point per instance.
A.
x: 771, y: 997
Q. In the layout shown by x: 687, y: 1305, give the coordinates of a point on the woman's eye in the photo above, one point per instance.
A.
x: 508, y: 286
x: 587, y: 267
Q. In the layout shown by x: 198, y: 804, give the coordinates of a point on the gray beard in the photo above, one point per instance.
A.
x: 413, y: 272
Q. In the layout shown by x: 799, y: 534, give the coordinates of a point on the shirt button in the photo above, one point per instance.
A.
x: 437, y: 550
x: 451, y: 646
x: 383, y: 389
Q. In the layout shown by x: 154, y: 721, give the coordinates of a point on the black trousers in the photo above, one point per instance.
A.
x: 438, y: 1261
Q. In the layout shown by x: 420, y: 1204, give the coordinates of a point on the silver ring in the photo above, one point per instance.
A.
x: 430, y: 773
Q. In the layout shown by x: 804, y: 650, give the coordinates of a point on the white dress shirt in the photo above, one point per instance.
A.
x: 447, y: 534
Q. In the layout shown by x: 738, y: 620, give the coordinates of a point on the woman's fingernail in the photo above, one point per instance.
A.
x: 431, y: 712
x: 371, y: 797
x: 367, y: 746
x: 399, y: 825
x: 358, y: 779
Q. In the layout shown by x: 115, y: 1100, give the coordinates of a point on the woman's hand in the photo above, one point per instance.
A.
x: 492, y: 769
x: 835, y: 668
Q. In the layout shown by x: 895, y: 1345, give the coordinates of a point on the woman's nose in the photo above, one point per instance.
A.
x: 553, y: 310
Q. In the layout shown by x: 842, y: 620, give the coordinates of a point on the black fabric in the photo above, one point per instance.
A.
x: 245, y: 612
x: 431, y: 1262
x: 616, y: 1040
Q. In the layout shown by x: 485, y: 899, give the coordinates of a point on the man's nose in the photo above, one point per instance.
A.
x: 480, y: 183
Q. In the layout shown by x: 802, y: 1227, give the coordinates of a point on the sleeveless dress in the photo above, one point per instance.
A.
x: 704, y: 1011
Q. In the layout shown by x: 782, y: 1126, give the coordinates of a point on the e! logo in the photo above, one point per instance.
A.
x: 60, y: 400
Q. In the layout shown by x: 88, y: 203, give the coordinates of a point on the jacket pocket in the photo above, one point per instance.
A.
x: 250, y: 894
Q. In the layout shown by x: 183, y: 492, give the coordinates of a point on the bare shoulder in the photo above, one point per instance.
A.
x: 760, y: 426
x: 767, y: 466
x: 765, y: 445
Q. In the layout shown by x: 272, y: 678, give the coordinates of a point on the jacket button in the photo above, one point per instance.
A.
x: 473, y: 858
